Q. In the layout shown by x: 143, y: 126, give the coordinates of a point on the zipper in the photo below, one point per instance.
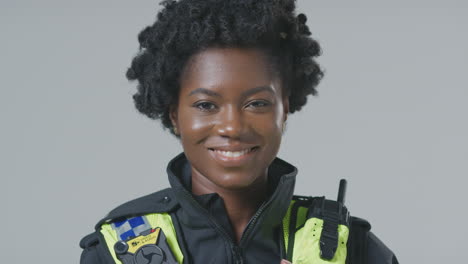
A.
x: 252, y: 221
x: 235, y: 250
x: 237, y: 255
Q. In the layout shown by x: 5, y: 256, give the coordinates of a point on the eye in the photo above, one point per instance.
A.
x: 205, y: 106
x: 258, y: 104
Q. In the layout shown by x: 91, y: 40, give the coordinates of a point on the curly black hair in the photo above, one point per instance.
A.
x: 185, y: 27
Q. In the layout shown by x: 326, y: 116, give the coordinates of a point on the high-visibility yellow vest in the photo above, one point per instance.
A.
x: 303, y: 247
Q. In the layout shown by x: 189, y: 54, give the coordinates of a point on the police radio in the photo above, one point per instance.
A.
x: 150, y: 247
x: 333, y: 213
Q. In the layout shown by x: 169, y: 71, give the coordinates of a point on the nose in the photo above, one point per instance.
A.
x: 230, y: 123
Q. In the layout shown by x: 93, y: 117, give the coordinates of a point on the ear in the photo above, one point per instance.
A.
x: 285, y: 107
x: 173, y: 116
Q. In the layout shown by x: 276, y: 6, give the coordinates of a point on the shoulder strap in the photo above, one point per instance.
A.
x: 158, y: 202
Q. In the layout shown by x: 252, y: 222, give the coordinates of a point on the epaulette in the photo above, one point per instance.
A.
x: 159, y: 202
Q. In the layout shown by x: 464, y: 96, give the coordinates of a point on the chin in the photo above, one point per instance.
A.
x: 236, y: 182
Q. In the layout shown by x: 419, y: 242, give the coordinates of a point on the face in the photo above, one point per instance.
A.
x: 230, y: 116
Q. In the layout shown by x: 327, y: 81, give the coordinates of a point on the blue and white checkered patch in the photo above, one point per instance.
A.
x: 131, y: 227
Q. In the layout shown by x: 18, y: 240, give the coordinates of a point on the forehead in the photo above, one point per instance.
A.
x: 217, y: 68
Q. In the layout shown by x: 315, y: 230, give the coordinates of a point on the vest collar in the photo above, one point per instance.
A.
x: 281, y: 177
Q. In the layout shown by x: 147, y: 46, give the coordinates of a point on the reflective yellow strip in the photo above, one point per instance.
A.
x: 163, y: 221
x: 286, y: 220
x: 111, y: 238
x: 301, y: 216
x: 307, y: 244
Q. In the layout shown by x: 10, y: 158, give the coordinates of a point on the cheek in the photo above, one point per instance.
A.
x: 273, y: 128
x: 276, y: 120
x: 270, y: 127
x: 193, y: 127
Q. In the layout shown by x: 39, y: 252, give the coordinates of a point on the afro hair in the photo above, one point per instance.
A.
x: 185, y: 27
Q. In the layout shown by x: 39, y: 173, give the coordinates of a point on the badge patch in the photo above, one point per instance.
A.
x: 131, y: 227
x: 139, y: 241
x: 150, y: 247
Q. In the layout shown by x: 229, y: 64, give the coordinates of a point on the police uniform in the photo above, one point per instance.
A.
x: 175, y: 226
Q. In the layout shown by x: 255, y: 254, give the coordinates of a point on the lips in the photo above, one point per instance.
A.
x: 233, y: 154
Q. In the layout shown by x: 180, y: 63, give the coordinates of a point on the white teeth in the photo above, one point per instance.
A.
x: 233, y: 154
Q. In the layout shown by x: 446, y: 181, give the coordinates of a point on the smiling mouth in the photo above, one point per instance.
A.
x: 233, y: 154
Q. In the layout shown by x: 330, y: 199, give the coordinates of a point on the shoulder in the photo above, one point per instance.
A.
x: 378, y: 252
x: 94, y: 245
x: 158, y: 202
x: 365, y: 243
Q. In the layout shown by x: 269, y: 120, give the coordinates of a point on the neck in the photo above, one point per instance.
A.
x: 241, y: 204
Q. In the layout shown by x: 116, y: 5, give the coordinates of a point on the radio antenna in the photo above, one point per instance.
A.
x: 342, y: 191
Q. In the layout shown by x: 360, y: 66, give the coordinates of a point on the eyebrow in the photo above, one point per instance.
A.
x: 244, y: 94
x: 204, y: 91
x: 258, y: 90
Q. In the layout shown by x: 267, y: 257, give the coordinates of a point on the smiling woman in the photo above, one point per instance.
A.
x: 223, y: 76
x: 229, y: 116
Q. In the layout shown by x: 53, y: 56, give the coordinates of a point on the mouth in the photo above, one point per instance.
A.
x: 233, y: 154
x: 233, y: 157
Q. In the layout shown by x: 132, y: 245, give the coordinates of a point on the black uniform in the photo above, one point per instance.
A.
x: 203, y: 229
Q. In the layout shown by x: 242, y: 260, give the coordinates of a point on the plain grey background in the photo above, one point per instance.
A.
x: 391, y: 118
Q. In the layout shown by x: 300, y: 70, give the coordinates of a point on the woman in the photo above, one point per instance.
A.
x: 223, y: 76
